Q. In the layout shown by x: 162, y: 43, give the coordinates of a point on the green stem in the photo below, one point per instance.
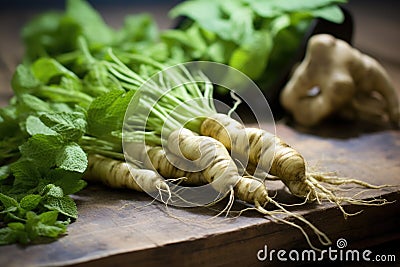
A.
x: 117, y: 73
x: 68, y: 58
x: 106, y: 153
x: 146, y: 60
x: 62, y: 95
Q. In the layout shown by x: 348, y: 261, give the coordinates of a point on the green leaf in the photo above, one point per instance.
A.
x: 16, y: 226
x: 28, y: 104
x: 330, y: 13
x: 9, y: 123
x: 42, y: 150
x: 63, y: 107
x: 94, y: 28
x: 43, y: 225
x: 49, y: 217
x: 191, y: 40
x: 220, y: 51
x: 50, y: 34
x: 140, y: 27
x: 70, y: 182
x: 98, y: 81
x: 72, y: 158
x: 174, y: 36
x: 30, y: 202
x: 53, y: 191
x: 240, y: 20
x: 264, y: 9
x: 35, y: 126
x: 31, y: 222
x: 69, y: 125
x: 9, y: 235
x: 23, y: 80
x: 279, y: 23
x: 9, y: 147
x: 207, y: 13
x: 64, y: 205
x: 48, y: 70
x: 106, y: 113
x: 8, y: 202
x: 230, y: 20
x: 26, y: 175
x: 5, y: 171
x: 289, y: 5
x: 51, y: 230
x: 251, y: 58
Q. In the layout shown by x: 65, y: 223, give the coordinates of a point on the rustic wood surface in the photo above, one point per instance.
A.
x: 122, y: 228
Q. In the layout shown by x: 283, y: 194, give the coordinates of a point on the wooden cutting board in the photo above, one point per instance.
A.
x: 124, y: 228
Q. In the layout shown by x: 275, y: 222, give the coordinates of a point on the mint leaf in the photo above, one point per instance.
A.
x: 72, y: 158
x: 64, y: 205
x: 16, y: 226
x: 28, y: 104
x: 70, y: 125
x: 106, y: 113
x: 49, y: 217
x: 26, y: 175
x: 55, y: 200
x: 97, y: 80
x: 47, y: 69
x: 35, y: 126
x: 70, y: 182
x: 23, y: 80
x: 41, y: 149
x: 43, y: 225
x: 48, y: 151
x: 49, y: 226
x: 53, y: 191
x: 8, y: 202
x: 30, y: 202
x: 49, y: 34
x: 13, y: 234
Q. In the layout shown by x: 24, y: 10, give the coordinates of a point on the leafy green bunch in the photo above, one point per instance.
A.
x: 70, y: 97
x: 53, y: 34
x: 257, y: 37
x: 43, y: 163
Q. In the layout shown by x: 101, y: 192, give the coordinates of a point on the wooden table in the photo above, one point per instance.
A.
x: 122, y: 228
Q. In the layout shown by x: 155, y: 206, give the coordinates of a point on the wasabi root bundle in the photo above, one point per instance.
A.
x: 182, y: 116
x: 256, y: 146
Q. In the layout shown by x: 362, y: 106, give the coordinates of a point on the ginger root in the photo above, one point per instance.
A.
x: 337, y: 79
